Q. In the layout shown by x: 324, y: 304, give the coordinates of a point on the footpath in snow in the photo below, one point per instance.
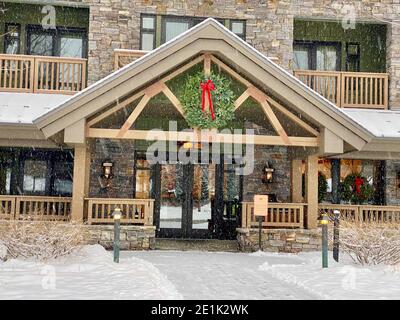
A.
x: 91, y: 274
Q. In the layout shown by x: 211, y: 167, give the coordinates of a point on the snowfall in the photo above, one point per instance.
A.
x: 90, y: 273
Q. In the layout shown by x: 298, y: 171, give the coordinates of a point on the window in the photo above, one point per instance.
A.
x: 152, y: 35
x: 148, y: 33
x: 60, y: 42
x: 12, y: 39
x: 317, y: 56
x: 35, y: 172
x: 142, y: 179
x: 238, y: 28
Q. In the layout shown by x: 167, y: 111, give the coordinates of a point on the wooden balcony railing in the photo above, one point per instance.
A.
x: 41, y: 74
x: 123, y: 57
x: 349, y: 89
x: 363, y: 213
x: 134, y: 211
x: 35, y: 208
x: 280, y: 215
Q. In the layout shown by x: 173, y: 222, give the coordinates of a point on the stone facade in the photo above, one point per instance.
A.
x: 121, y: 154
x: 277, y: 158
x: 392, y: 194
x: 132, y: 237
x: 269, y: 26
x: 280, y: 240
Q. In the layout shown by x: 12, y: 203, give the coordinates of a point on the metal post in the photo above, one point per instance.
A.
x: 117, y: 219
x: 336, y: 224
x: 324, y: 223
x: 260, y: 218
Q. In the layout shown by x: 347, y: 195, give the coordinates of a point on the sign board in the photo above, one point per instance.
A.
x: 260, y: 205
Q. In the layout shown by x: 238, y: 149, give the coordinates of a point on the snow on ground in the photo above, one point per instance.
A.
x: 343, y: 280
x: 91, y: 274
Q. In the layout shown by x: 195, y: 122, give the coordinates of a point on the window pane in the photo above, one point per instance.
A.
x: 41, y: 44
x: 326, y: 58
x: 301, y: 58
x: 238, y: 28
x: 174, y: 28
x: 63, y: 178
x: 148, y: 23
x: 71, y: 46
x: 12, y: 46
x: 35, y: 176
x: 147, y: 41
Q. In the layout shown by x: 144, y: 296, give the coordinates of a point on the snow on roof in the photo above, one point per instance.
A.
x: 25, y: 107
x: 381, y: 123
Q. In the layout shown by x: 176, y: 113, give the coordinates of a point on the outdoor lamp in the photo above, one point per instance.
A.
x: 117, y: 242
x: 117, y: 214
x: 268, y: 174
x: 324, y: 219
x: 107, y: 169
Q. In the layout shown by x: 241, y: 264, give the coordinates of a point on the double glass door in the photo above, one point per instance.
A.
x: 186, y: 200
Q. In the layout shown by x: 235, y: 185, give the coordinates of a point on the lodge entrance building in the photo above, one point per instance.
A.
x: 103, y: 134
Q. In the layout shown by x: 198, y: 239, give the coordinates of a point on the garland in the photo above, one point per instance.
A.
x: 356, y: 189
x: 214, y: 89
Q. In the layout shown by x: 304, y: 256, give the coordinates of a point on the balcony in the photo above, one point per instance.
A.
x: 349, y: 89
x: 41, y: 74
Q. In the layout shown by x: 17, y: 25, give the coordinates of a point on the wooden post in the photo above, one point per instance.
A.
x: 296, y: 183
x: 312, y: 191
x: 80, y: 185
x: 335, y: 173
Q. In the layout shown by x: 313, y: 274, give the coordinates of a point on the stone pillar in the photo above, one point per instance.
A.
x: 312, y: 191
x: 296, y: 181
x: 393, y: 65
x: 335, y: 174
x: 80, y: 182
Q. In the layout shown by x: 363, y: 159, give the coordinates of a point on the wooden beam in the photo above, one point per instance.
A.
x: 275, y: 122
x: 114, y: 109
x: 293, y: 117
x: 194, y: 137
x: 230, y: 71
x: 80, y: 186
x: 312, y: 191
x: 183, y: 68
x: 243, y: 97
x: 75, y: 134
x: 133, y: 116
x: 330, y: 143
x: 174, y: 100
x: 296, y: 179
x: 207, y: 65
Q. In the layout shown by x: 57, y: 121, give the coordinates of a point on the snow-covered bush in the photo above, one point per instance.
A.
x: 40, y: 239
x: 371, y: 243
x: 3, y: 252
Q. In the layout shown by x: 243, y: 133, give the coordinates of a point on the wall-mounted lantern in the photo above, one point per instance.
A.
x: 268, y: 174
x: 106, y: 176
x: 107, y: 169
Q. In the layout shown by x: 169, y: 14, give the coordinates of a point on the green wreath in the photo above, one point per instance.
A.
x: 349, y: 192
x: 222, y: 98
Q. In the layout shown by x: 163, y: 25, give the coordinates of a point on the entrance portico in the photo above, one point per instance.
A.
x: 126, y: 108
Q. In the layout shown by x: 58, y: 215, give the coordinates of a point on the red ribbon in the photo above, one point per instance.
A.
x: 359, y: 183
x: 206, y: 88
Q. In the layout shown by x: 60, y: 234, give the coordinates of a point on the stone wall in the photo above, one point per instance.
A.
x: 116, y: 24
x: 132, y: 237
x: 280, y: 240
x: 121, y: 154
x: 392, y: 188
x: 277, y: 158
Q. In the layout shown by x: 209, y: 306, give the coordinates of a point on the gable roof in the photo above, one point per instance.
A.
x: 213, y: 37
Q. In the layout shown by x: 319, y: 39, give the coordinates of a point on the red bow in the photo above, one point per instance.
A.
x: 359, y: 183
x: 207, y: 87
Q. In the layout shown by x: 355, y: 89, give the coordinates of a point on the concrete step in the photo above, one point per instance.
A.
x: 197, y: 245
